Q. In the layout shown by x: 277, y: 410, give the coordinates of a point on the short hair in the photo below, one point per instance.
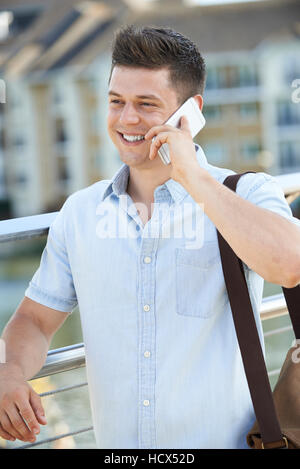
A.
x: 155, y: 48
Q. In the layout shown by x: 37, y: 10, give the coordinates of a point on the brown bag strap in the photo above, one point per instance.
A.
x: 292, y: 298
x: 248, y: 338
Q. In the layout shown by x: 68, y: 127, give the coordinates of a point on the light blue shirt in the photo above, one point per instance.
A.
x: 163, y: 363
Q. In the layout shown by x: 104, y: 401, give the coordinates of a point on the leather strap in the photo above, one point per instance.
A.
x: 248, y: 338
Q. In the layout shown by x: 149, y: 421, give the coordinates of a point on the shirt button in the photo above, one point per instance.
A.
x: 146, y: 403
x: 146, y: 308
x: 147, y: 260
x: 147, y: 354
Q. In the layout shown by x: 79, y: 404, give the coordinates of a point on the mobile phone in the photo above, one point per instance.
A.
x: 196, y: 120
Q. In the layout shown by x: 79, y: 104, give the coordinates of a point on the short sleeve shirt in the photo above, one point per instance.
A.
x: 163, y: 363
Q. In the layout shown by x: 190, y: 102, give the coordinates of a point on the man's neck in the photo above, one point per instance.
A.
x: 141, y: 187
x: 142, y: 184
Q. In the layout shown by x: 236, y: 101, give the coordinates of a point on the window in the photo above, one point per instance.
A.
x: 212, y: 113
x: 247, y: 76
x: 248, y: 111
x: 18, y: 140
x: 60, y: 132
x: 289, y: 159
x: 215, y: 152
x: 57, y: 94
x: 288, y: 113
x: 20, y: 178
x: 215, y: 78
x: 291, y: 69
x: 234, y: 76
x: 62, y: 166
x: 250, y: 148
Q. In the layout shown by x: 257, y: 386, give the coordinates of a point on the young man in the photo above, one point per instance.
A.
x: 163, y: 363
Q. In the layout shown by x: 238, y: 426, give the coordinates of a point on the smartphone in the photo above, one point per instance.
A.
x: 196, y: 120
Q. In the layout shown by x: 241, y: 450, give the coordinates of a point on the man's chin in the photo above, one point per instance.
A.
x: 135, y: 160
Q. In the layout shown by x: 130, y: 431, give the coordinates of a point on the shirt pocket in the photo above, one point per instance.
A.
x: 200, y: 286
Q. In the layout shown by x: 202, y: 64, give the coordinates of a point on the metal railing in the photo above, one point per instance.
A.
x: 73, y: 357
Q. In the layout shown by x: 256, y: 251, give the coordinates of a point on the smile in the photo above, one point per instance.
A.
x: 131, y: 139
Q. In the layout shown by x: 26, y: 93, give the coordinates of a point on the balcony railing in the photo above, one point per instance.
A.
x: 73, y: 356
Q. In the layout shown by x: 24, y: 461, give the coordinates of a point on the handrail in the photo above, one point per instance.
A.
x: 290, y: 183
x: 62, y: 359
x: 38, y: 225
x: 273, y: 306
x: 73, y: 356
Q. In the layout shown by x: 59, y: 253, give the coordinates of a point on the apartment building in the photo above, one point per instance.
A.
x: 54, y: 123
x: 253, y: 115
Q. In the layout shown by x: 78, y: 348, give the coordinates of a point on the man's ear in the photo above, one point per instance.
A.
x: 199, y: 100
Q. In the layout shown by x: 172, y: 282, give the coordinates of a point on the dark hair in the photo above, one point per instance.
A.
x: 154, y: 48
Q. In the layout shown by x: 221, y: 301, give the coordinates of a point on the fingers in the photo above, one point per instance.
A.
x: 13, y: 424
x: 161, y: 134
x: 157, y: 143
x: 28, y: 415
x: 184, y: 124
x: 157, y: 129
x: 36, y: 404
x: 21, y: 415
x: 6, y: 435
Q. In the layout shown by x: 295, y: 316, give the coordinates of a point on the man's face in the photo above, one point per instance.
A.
x: 139, y: 99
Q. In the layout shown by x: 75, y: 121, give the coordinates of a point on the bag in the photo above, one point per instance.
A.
x: 277, y: 415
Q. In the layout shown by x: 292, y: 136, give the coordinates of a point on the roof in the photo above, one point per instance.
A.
x: 234, y: 27
x: 69, y: 33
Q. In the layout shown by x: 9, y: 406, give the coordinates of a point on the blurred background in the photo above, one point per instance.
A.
x: 54, y: 68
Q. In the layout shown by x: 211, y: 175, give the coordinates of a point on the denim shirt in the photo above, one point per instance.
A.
x: 163, y: 363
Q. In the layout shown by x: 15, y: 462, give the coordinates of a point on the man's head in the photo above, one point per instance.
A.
x: 153, y: 72
x: 155, y: 48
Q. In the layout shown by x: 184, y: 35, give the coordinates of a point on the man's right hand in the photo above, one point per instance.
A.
x: 27, y: 338
x: 18, y: 403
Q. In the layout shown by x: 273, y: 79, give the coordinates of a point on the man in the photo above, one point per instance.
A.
x: 163, y: 363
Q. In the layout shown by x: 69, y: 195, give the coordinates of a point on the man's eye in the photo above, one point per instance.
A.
x: 115, y: 101
x: 147, y: 104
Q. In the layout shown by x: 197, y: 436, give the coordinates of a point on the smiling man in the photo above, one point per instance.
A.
x: 144, y: 96
x: 163, y: 363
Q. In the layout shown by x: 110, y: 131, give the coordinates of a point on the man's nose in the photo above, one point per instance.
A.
x: 129, y: 115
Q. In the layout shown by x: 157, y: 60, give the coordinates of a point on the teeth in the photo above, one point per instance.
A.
x: 133, y: 138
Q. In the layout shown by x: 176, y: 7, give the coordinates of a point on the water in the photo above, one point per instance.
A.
x: 70, y: 411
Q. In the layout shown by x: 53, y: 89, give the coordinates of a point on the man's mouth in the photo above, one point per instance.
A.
x: 131, y: 138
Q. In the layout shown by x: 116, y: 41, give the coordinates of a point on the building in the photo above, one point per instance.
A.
x: 53, y: 125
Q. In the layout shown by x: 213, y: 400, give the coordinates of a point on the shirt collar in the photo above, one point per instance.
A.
x: 119, y: 182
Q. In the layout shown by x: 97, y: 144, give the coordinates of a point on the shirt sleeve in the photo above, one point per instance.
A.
x: 264, y: 191
x: 52, y: 284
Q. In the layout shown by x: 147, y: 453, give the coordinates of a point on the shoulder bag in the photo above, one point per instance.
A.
x: 277, y: 414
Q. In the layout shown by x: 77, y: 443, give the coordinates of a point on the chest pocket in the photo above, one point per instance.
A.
x: 200, y: 286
